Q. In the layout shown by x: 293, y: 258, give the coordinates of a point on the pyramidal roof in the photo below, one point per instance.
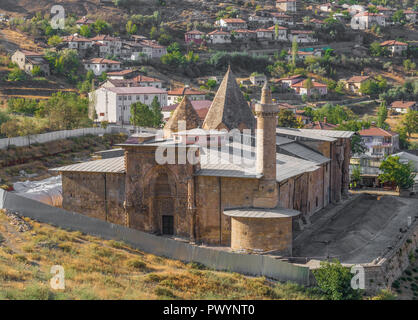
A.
x: 183, y: 112
x: 229, y: 110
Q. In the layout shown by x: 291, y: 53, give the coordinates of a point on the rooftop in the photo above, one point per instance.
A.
x: 262, y: 213
x: 136, y: 90
x: 111, y: 165
x: 377, y: 132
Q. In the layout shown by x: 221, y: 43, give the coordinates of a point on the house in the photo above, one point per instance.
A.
x: 403, y: 106
x: 231, y: 23
x: 325, y: 7
x: 388, y: 12
x: 303, y: 88
x: 100, y: 65
x: 121, y: 74
x: 113, y: 104
x: 28, y: 60
x: 84, y: 21
x: 131, y: 51
x: 356, y: 9
x: 107, y: 45
x: 281, y: 32
x: 175, y: 95
x: 265, y: 34
x: 194, y: 37
x: 354, y: 83
x: 138, y: 81
x: 77, y: 42
x: 281, y: 18
x: 411, y: 16
x: 302, y: 36
x: 365, y: 20
x: 302, y: 55
x: 395, y: 47
x: 219, y: 37
x: 321, y: 125
x: 152, y: 49
x: 244, y: 35
x: 287, y: 82
x: 258, y: 79
x: 379, y: 142
x: 200, y: 106
x: 286, y: 5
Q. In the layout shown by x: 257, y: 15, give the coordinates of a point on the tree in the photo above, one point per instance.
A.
x: 410, y: 122
x: 356, y: 174
x: 54, y: 41
x: 399, y: 16
x: 101, y: 26
x: 156, y: 110
x: 357, y: 145
x: 85, y: 31
x: 141, y: 115
x: 382, y: 114
x: 334, y: 280
x: 398, y: 173
x: 153, y: 34
x: 409, y: 65
x: 287, y: 119
x: 36, y: 71
x: 294, y: 51
x: 16, y: 75
x: 131, y: 28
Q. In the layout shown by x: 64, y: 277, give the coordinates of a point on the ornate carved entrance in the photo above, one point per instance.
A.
x: 163, y: 205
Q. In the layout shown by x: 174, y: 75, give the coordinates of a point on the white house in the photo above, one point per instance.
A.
x: 28, y: 60
x: 411, y: 16
x: 100, y: 65
x: 219, y: 36
x: 302, y: 36
x: 265, y: 34
x: 77, y: 42
x: 365, y: 20
x: 231, y: 23
x: 244, y: 34
x: 107, y: 45
x: 281, y: 18
x: 114, y: 104
x: 281, y: 33
x: 395, y: 47
x: 401, y: 106
x: 302, y: 88
x: 173, y: 96
x: 286, y: 5
x: 152, y: 49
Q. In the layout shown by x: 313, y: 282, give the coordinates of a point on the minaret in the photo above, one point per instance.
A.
x: 266, y: 113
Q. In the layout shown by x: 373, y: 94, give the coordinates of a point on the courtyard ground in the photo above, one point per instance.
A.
x: 356, y: 232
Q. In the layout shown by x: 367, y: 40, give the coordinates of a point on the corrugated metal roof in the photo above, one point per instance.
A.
x: 330, y: 133
x: 261, y: 213
x: 282, y: 140
x: 112, y: 165
x: 303, y: 134
x: 305, y: 153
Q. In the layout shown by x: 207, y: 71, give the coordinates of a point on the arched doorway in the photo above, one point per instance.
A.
x: 163, y: 205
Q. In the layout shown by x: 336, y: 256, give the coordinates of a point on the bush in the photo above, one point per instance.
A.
x: 334, y: 281
x: 164, y: 292
x: 137, y: 264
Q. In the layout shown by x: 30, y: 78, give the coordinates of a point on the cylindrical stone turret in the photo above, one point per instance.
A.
x: 266, y: 113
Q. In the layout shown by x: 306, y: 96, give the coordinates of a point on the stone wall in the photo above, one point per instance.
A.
x: 213, y: 194
x: 262, y: 234
x: 145, y: 203
x: 97, y: 195
x: 382, y: 274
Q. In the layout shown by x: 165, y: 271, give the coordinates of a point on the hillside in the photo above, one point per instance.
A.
x: 99, y: 269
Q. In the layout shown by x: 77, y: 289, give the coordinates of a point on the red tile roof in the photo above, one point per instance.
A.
x: 233, y: 20
x: 356, y: 79
x: 101, y: 60
x: 319, y: 125
x: 302, y: 84
x: 403, y: 104
x: 188, y: 91
x: 377, y: 132
x: 31, y: 53
x: 393, y: 43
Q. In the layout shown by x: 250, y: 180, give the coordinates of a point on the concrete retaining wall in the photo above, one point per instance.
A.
x: 56, y: 135
x: 256, y: 265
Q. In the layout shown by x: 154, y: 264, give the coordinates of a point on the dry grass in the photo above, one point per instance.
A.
x: 100, y: 269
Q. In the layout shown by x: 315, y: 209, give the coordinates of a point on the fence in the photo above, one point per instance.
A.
x: 256, y: 265
x: 56, y: 135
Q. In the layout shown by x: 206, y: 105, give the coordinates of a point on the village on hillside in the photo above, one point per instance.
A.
x: 282, y: 131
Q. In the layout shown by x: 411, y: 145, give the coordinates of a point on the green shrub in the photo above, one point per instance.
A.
x: 334, y: 281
